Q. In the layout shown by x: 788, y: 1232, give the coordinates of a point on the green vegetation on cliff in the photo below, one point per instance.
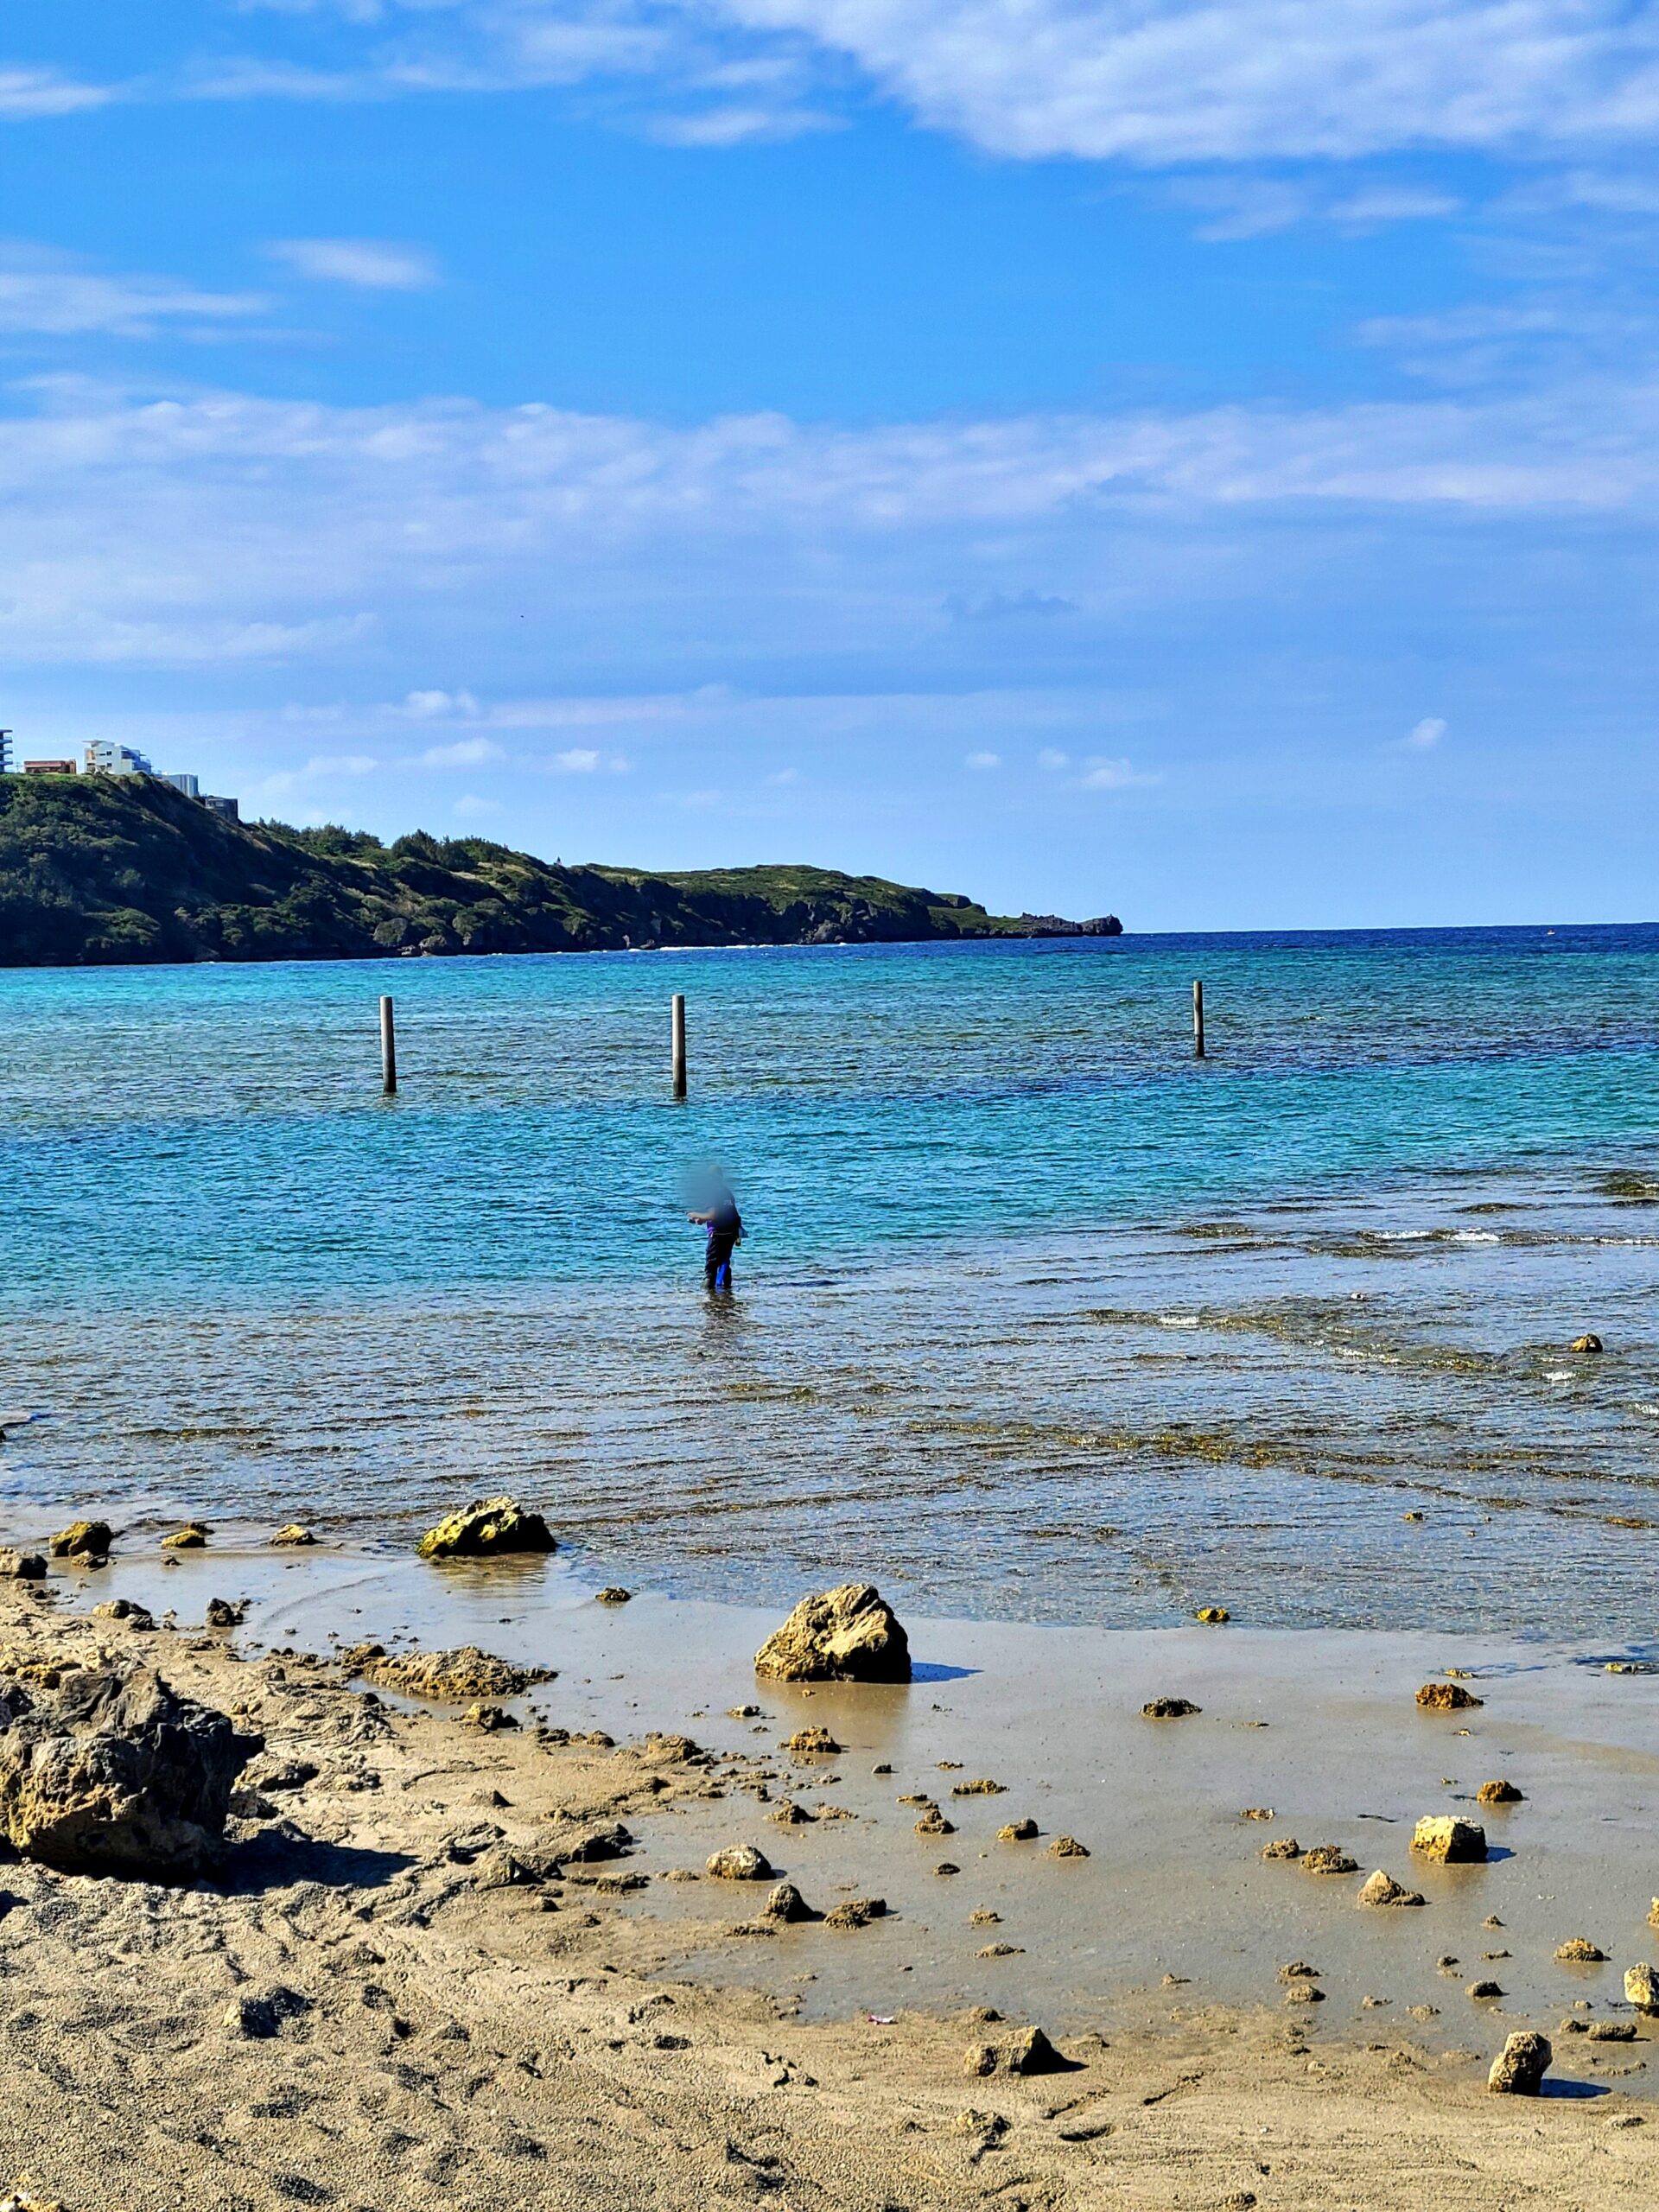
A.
x: 96, y: 870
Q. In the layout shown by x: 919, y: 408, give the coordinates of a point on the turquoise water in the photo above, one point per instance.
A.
x: 1034, y: 1309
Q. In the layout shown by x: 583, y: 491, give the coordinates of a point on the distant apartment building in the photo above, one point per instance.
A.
x: 104, y: 758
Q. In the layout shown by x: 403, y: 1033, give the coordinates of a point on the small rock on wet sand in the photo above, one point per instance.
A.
x: 82, y: 1540
x: 1282, y: 1846
x: 1067, y: 1846
x: 984, y: 1787
x: 1382, y: 1889
x: 1499, y: 1793
x: 1642, y: 1988
x: 20, y: 1567
x: 1481, y: 1989
x: 295, y: 1535
x: 1017, y: 1832
x: 786, y: 1903
x: 1519, y: 2069
x: 739, y: 1862
x: 613, y: 1595
x: 486, y: 1527
x: 1328, y: 1858
x: 1168, y: 1709
x: 1448, y: 1841
x: 457, y: 1676
x: 857, y: 1912
x: 192, y: 1537
x: 933, y: 1822
x: 1447, y: 1697
x: 1579, y: 1951
x: 846, y: 1635
x: 812, y: 1743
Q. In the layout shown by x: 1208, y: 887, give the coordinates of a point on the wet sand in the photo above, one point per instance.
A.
x: 586, y: 2040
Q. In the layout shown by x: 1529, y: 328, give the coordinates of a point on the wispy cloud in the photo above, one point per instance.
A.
x: 27, y: 93
x: 1425, y: 735
x: 470, y: 806
x: 370, y: 264
x: 1116, y: 776
x: 984, y: 760
x: 467, y: 753
x: 48, y: 295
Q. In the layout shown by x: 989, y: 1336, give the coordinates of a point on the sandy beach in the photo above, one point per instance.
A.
x: 413, y: 1986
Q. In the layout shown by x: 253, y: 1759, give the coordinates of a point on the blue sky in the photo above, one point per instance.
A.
x: 1191, y: 460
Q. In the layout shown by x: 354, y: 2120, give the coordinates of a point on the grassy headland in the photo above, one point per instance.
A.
x: 98, y: 871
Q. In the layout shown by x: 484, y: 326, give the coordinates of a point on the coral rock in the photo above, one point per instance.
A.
x: 1282, y: 1846
x: 1499, y: 1793
x: 191, y: 1538
x: 612, y: 1596
x: 1589, y: 1341
x: 1579, y: 1951
x: 786, y: 1903
x: 1642, y: 1988
x: 118, y: 1775
x: 1168, y: 1709
x: 1447, y: 1697
x: 1519, y: 2069
x: 82, y: 1540
x: 1017, y: 1832
x: 1382, y: 1889
x: 1212, y: 1616
x: 457, y: 1676
x: 857, y: 1912
x: 1067, y: 1846
x: 20, y: 1567
x: 1033, y: 2053
x: 485, y: 1526
x: 1328, y: 1858
x: 739, y: 1862
x: 1448, y: 1841
x: 846, y: 1635
x: 812, y: 1743
x: 294, y: 1533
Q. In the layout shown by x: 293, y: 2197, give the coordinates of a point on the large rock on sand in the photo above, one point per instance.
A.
x: 849, y: 1635
x: 118, y: 1775
x: 1450, y: 1842
x: 1519, y: 2069
x: 488, y: 1525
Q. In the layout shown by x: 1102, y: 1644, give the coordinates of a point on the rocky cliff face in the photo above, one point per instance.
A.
x: 96, y: 871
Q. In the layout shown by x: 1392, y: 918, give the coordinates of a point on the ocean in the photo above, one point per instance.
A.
x: 1037, y: 1317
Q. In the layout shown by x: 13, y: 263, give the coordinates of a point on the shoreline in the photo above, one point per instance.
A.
x: 447, y: 2006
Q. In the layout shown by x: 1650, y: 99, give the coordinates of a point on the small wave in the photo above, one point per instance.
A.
x: 1178, y: 1321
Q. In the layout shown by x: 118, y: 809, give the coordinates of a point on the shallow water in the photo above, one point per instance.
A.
x: 1037, y: 1317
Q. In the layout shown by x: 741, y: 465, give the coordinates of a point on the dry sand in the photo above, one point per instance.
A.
x: 425, y: 2033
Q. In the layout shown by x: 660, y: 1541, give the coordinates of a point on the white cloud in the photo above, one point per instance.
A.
x: 467, y: 753
x: 27, y: 93
x: 45, y: 294
x: 1142, y: 81
x: 432, y: 706
x: 1425, y: 735
x: 740, y: 126
x: 578, y: 761
x: 1114, y: 776
x: 1051, y: 758
x: 281, y: 528
x: 470, y: 804
x: 370, y: 264
x: 984, y: 760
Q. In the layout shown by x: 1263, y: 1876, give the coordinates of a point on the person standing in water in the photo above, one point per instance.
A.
x: 721, y: 1217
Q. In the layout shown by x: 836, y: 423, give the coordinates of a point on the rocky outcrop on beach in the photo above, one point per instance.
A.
x: 82, y: 1540
x: 847, y: 1635
x: 1519, y: 2069
x: 458, y: 1677
x: 1448, y: 1841
x: 488, y: 1526
x: 118, y: 1775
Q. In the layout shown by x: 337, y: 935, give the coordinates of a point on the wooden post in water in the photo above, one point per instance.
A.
x: 677, y: 1028
x: 388, y: 1050
x: 1198, y: 1020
